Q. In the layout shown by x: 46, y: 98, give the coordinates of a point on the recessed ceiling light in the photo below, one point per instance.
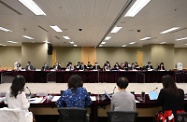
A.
x: 28, y: 37
x: 185, y: 44
x: 124, y: 45
x: 56, y: 28
x: 46, y: 42
x: 66, y: 37
x: 75, y: 45
x: 12, y: 42
x: 145, y: 38
x: 4, y: 29
x: 181, y: 39
x: 115, y: 29
x: 31, y: 5
x: 71, y: 42
x: 163, y: 43
x: 103, y: 42
x: 100, y: 45
x: 107, y: 38
x: 136, y: 7
x: 132, y: 43
x: 169, y: 30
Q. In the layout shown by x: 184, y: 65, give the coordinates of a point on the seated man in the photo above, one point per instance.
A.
x: 29, y: 66
x: 96, y: 66
x: 69, y: 67
x: 45, y: 67
x: 57, y: 66
x: 149, y: 66
x: 123, y: 100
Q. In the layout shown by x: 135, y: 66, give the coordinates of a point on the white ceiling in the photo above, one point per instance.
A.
x: 96, y: 18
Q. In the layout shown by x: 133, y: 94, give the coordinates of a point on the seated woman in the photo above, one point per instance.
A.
x: 75, y: 96
x: 170, y: 97
x: 16, y: 97
x: 161, y: 66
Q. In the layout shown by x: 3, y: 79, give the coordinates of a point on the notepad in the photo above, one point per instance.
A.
x: 153, y: 95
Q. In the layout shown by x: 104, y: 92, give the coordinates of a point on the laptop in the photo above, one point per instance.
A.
x: 107, y: 95
x: 153, y: 95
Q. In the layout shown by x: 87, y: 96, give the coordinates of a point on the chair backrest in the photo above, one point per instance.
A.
x: 72, y: 114
x: 14, y: 115
x: 181, y: 117
x: 122, y: 116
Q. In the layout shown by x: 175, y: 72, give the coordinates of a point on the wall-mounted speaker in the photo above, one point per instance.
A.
x: 50, y: 49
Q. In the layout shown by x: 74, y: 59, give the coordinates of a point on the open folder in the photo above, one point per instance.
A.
x: 153, y: 95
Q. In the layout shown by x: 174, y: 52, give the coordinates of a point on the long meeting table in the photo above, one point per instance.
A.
x: 93, y: 76
x: 99, y: 108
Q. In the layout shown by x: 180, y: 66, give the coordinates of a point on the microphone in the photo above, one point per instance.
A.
x: 30, y: 95
x: 113, y: 90
x: 155, y: 89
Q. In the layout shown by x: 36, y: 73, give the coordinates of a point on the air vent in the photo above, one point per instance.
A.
x: 9, y: 7
x: 42, y: 28
x: 57, y: 37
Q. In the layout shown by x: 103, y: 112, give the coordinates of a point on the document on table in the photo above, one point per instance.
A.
x: 93, y: 98
x: 37, y: 100
x: 2, y: 99
x: 55, y: 98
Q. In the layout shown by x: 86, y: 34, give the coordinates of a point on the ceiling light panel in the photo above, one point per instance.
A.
x: 181, y: 39
x: 66, y: 37
x: 56, y: 28
x: 136, y: 7
x: 169, y: 30
x: 27, y: 37
x: 4, y: 29
x: 31, y: 5
x: 115, y: 29
x: 145, y: 38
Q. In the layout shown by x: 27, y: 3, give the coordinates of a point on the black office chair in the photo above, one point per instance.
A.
x: 181, y: 117
x: 122, y: 116
x: 72, y: 115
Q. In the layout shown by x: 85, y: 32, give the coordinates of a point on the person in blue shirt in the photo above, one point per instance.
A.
x: 75, y: 96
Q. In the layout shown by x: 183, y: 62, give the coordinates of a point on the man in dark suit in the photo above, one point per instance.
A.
x: 57, y: 66
x: 45, y: 67
x: 29, y: 66
x: 149, y: 66
x: 96, y: 66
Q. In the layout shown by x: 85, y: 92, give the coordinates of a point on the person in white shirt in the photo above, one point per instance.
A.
x: 16, y: 97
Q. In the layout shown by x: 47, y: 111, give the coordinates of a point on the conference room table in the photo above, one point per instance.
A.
x: 145, y: 107
x: 94, y: 76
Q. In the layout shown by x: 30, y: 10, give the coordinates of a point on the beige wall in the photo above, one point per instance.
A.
x: 36, y: 53
x: 9, y: 55
x: 180, y: 56
x: 66, y: 54
x: 116, y: 55
x: 162, y: 53
x: 146, y: 54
